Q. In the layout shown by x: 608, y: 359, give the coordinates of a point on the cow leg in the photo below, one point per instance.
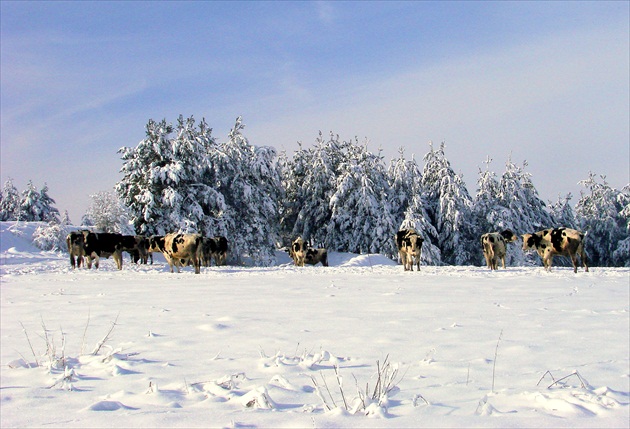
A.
x: 583, y: 259
x: 97, y: 260
x: 72, y: 261
x: 574, y: 261
x: 118, y: 258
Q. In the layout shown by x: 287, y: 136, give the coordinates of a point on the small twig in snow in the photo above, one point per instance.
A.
x: 29, y: 343
x: 101, y: 343
x: 494, y: 364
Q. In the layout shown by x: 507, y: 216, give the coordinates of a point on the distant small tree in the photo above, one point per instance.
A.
x: 49, y: 211
x: 107, y: 214
x: 10, y: 204
x: 65, y: 220
x: 30, y: 206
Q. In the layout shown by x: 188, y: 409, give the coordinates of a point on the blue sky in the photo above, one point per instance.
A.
x: 545, y: 82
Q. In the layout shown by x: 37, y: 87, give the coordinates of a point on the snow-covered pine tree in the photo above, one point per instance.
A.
x: 487, y: 213
x: 562, y: 213
x: 448, y: 205
x: 523, y: 210
x: 416, y: 217
x: 621, y: 255
x: 49, y: 211
x: 146, y: 180
x: 31, y: 207
x: 603, y: 214
x: 194, y: 204
x: 107, y: 214
x: 404, y: 177
x: 316, y: 189
x: 293, y: 171
x: 249, y: 180
x: 361, y: 219
x: 10, y: 204
x: 65, y: 219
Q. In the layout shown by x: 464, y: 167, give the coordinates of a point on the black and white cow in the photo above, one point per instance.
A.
x: 209, y: 247
x: 102, y: 245
x: 409, y: 245
x: 557, y: 241
x: 179, y: 249
x: 220, y: 256
x: 137, y: 246
x: 75, y: 242
x: 298, y: 251
x: 315, y: 256
x: 214, y: 248
x: 494, y: 246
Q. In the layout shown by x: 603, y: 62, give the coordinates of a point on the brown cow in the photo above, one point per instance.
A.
x: 557, y: 241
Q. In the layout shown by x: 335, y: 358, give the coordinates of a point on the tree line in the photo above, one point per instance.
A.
x: 339, y: 195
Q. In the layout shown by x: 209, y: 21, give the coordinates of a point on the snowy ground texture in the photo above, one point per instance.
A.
x: 240, y: 347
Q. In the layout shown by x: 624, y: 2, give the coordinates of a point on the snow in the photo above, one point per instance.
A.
x: 248, y: 347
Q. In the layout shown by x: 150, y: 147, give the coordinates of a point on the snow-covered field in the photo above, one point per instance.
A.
x: 284, y: 346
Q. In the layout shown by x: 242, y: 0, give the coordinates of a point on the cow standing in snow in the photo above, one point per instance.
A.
x: 298, y: 251
x: 315, y: 256
x: 409, y: 245
x: 179, y: 249
x: 75, y: 242
x: 557, y: 241
x: 494, y: 245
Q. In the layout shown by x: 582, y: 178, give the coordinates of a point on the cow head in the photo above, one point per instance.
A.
x: 156, y: 243
x: 509, y: 236
x: 531, y: 241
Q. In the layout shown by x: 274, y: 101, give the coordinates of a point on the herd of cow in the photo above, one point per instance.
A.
x: 548, y: 243
x: 197, y: 250
x: 178, y: 249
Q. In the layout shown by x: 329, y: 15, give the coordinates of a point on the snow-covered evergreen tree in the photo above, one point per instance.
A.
x: 310, y: 192
x: 193, y: 202
x: 361, y: 218
x: 404, y: 179
x: 487, y: 212
x: 448, y: 206
x: 525, y: 211
x: 562, y: 213
x: 10, y: 204
x: 621, y: 255
x: 147, y: 180
x: 107, y: 214
x: 49, y: 211
x: 603, y: 214
x: 65, y: 219
x: 32, y: 207
x: 416, y: 217
x: 293, y: 172
x: 249, y: 181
